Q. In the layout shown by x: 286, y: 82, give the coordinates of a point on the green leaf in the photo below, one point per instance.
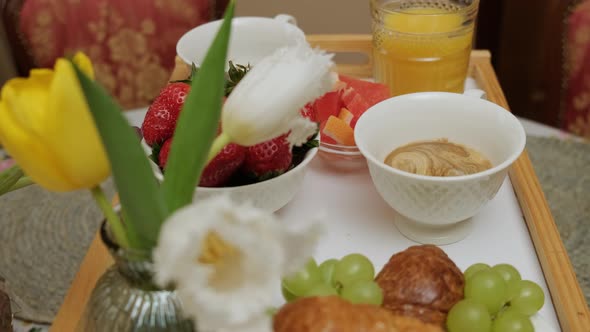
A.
x: 191, y: 77
x: 137, y: 186
x: 9, y: 177
x: 155, y: 156
x: 197, y: 124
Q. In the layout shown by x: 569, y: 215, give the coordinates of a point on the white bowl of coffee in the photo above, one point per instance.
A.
x: 437, y: 158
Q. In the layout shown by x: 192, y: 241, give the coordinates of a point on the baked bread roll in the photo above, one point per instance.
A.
x: 421, y: 282
x: 333, y: 314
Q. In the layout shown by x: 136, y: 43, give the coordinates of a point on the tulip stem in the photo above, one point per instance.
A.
x: 21, y: 183
x: 114, y: 221
x: 218, y: 144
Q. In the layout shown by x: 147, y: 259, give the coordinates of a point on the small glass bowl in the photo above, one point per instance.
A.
x: 346, y: 157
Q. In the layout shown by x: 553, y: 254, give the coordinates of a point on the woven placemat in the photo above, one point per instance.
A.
x: 563, y: 168
x: 43, y: 239
x: 44, y: 236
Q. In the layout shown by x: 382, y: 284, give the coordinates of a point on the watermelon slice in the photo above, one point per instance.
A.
x: 338, y: 130
x: 327, y: 105
x: 373, y: 93
x: 308, y: 111
x: 355, y: 103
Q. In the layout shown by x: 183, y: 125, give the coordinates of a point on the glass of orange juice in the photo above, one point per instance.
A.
x: 422, y: 45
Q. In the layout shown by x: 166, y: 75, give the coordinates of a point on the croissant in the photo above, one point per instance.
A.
x: 421, y: 282
x: 333, y: 314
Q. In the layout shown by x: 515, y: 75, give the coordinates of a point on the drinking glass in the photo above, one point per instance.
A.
x: 422, y: 45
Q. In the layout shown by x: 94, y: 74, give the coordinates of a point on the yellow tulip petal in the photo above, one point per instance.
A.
x: 30, y: 153
x: 27, y: 99
x: 83, y: 62
x: 71, y: 133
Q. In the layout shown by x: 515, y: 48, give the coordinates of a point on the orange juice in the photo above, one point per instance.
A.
x: 422, y: 48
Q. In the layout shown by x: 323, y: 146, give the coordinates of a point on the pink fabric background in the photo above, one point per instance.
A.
x: 577, y: 97
x: 132, y: 43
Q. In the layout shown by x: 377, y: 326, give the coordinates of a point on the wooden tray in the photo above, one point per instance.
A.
x: 566, y: 295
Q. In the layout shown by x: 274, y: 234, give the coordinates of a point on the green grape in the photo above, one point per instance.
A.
x: 488, y: 288
x: 304, y: 279
x: 511, y: 320
x: 469, y: 316
x: 474, y: 269
x: 510, y: 274
x: 363, y: 291
x: 327, y: 269
x: 288, y: 296
x: 321, y: 290
x: 527, y: 297
x: 351, y: 268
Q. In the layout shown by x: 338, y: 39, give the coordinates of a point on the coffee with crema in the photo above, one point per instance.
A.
x: 437, y: 158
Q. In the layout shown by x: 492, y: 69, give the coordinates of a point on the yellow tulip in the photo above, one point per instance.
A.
x: 47, y: 127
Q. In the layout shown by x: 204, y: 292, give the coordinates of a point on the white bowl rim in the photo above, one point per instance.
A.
x: 237, y: 20
x: 306, y: 160
x: 475, y: 176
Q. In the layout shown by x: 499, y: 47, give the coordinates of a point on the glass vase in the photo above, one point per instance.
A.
x: 126, y: 299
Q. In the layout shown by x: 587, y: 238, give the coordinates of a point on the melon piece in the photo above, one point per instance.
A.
x: 373, y: 93
x: 324, y: 138
x: 345, y: 115
x: 327, y: 105
x: 339, y: 131
x: 355, y: 104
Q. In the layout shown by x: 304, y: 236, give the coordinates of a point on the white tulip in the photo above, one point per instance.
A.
x: 267, y: 101
x: 226, y: 261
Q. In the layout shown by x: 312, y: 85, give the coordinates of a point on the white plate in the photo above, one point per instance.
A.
x: 541, y: 325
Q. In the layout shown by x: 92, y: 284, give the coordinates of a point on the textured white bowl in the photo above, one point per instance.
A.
x: 437, y: 209
x: 270, y: 195
x: 252, y: 39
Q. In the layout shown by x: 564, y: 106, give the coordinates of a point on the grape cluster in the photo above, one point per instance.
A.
x: 496, y: 300
x: 351, y: 278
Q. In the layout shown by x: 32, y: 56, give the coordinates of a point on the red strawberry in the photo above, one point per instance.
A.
x: 219, y: 170
x: 268, y: 159
x: 160, y: 120
x: 164, y: 151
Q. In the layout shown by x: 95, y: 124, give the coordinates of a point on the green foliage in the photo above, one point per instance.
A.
x: 146, y: 204
x: 197, y: 123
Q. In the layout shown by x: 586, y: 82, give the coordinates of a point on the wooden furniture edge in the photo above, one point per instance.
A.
x: 363, y: 43
x: 566, y: 294
x: 95, y: 263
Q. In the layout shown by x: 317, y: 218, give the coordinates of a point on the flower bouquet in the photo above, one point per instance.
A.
x: 214, y: 261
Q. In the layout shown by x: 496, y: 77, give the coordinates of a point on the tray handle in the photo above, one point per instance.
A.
x: 348, y: 44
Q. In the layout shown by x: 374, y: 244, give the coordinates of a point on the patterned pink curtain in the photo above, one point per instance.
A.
x: 132, y: 43
x: 577, y: 102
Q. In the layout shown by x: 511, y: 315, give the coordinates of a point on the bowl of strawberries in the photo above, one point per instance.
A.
x: 337, y: 113
x: 268, y: 174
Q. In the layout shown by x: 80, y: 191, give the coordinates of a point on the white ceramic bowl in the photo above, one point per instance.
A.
x: 270, y: 195
x: 252, y: 38
x: 432, y: 209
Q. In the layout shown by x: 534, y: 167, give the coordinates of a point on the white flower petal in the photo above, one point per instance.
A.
x: 301, y: 129
x: 180, y: 236
x: 300, y: 245
x: 240, y: 285
x: 268, y: 99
